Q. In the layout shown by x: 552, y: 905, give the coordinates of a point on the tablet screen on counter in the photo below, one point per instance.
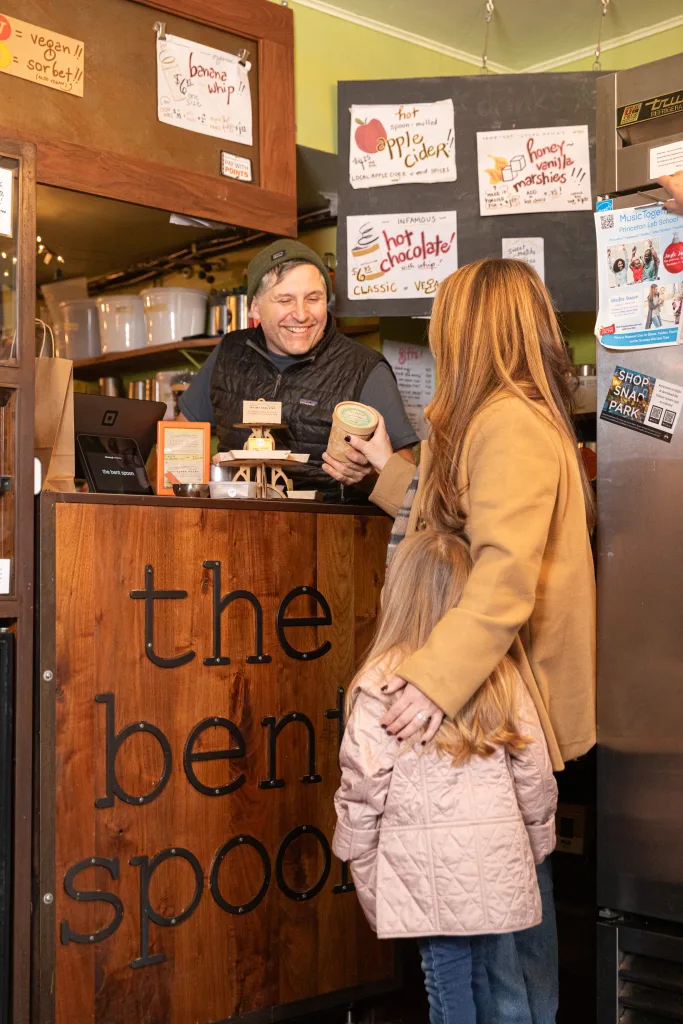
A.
x: 113, y: 465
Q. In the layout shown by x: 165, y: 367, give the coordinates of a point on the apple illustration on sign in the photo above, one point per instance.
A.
x: 368, y: 135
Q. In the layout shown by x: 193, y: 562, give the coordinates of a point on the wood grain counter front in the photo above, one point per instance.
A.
x: 193, y: 656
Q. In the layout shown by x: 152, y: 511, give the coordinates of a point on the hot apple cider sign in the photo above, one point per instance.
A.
x: 200, y: 660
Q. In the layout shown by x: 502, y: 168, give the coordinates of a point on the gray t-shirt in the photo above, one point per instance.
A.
x: 380, y: 391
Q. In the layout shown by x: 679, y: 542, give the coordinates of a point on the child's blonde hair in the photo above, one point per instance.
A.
x: 425, y: 579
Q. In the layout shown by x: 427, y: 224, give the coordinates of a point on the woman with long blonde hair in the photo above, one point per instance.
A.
x: 502, y: 468
x: 442, y: 837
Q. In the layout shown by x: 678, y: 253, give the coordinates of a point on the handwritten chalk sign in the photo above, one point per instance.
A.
x: 395, y: 143
x: 6, y: 183
x: 203, y: 90
x: 531, y: 250
x: 533, y: 170
x: 400, y: 256
x: 415, y: 372
x: 40, y: 55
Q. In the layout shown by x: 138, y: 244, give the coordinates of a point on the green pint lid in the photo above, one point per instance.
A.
x: 354, y: 414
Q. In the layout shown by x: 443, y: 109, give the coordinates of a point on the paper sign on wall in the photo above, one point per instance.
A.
x: 640, y: 278
x: 203, y: 90
x: 400, y: 256
x: 528, y: 249
x: 238, y: 167
x: 41, y: 55
x: 643, y: 403
x: 666, y: 159
x: 413, y: 367
x: 535, y: 170
x: 6, y: 185
x: 396, y: 143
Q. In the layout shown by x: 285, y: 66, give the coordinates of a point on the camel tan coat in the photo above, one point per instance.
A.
x: 532, y: 588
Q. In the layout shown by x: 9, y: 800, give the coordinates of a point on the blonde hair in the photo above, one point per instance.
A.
x: 425, y: 579
x: 493, y: 331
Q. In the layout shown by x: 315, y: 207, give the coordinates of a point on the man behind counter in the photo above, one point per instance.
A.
x: 297, y: 356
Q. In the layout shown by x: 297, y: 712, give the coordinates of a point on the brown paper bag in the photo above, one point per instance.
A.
x: 54, y: 423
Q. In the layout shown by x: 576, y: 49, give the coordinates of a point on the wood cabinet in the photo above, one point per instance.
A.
x: 189, y: 758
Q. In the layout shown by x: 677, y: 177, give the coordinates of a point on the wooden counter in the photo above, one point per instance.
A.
x: 192, y: 660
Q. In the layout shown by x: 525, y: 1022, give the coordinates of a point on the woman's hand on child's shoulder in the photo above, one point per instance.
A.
x: 411, y: 712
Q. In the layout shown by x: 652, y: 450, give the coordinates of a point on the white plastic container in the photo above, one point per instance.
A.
x: 233, y: 489
x: 172, y: 314
x: 122, y: 322
x: 80, y: 332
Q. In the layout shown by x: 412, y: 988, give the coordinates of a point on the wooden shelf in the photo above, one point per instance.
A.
x: 158, y: 357
x: 137, y: 360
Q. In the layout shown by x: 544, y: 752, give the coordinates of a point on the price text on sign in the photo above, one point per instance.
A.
x: 41, y: 55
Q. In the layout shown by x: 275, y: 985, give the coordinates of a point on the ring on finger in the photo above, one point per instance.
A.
x: 423, y: 718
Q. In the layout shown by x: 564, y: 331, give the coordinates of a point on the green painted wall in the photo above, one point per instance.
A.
x: 328, y: 50
x: 664, y: 44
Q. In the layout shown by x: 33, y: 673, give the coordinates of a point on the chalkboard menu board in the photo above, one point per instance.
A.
x: 483, y: 103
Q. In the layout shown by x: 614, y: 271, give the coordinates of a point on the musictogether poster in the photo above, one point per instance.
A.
x: 640, y: 277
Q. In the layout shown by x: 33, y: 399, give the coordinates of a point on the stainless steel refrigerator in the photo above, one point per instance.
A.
x: 640, y: 617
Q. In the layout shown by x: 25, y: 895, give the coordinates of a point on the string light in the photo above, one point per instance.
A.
x: 490, y: 10
x: 46, y: 253
x: 597, y: 66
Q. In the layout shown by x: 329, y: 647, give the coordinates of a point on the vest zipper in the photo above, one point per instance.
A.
x: 277, y: 385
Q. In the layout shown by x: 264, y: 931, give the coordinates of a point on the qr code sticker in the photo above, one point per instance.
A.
x: 607, y: 221
x: 668, y: 418
x: 655, y: 414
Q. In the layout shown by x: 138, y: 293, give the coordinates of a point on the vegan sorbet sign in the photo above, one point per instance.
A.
x: 400, y: 256
x: 535, y: 170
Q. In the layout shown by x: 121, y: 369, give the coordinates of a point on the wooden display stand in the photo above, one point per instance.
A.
x: 270, y: 478
x: 189, y: 758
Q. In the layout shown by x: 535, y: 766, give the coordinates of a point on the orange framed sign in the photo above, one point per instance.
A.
x: 183, y: 454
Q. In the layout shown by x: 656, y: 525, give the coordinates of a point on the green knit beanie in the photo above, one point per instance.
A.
x: 282, y: 251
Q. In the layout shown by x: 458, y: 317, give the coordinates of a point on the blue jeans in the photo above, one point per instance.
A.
x: 523, y: 967
x: 455, y: 979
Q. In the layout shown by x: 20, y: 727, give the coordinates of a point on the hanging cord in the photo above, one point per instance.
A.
x: 490, y: 8
x: 597, y: 66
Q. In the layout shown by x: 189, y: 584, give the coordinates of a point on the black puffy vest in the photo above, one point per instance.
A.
x: 309, y: 389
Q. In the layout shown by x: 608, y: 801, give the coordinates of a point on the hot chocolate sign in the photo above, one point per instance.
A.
x: 400, y: 256
x: 392, y: 144
x: 535, y: 170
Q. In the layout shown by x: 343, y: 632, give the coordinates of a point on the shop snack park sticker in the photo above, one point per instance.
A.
x: 643, y: 403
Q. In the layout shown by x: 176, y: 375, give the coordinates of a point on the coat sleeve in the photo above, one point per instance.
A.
x: 367, y: 758
x: 392, y: 484
x: 534, y: 781
x: 513, y: 471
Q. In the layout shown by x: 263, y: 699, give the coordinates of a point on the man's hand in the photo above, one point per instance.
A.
x: 350, y: 473
x: 412, y: 711
x: 673, y: 183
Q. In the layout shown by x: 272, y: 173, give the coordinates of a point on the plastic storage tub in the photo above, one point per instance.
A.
x: 172, y: 314
x: 80, y: 332
x: 122, y: 322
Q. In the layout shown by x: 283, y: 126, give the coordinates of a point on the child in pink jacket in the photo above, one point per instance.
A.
x: 442, y: 839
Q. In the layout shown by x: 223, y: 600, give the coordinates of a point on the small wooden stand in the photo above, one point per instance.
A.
x: 273, y: 484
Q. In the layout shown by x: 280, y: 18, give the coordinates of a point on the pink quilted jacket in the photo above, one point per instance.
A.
x: 436, y: 849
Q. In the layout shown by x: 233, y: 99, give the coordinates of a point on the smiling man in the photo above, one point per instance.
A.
x: 297, y: 356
